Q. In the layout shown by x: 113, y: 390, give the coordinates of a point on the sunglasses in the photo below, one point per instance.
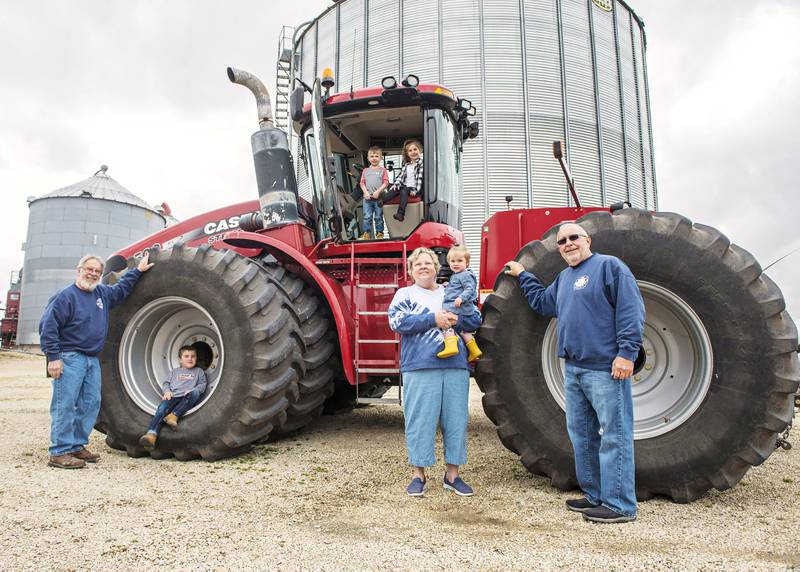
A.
x: 571, y: 238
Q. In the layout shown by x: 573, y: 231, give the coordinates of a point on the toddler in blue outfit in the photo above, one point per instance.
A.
x: 460, y: 295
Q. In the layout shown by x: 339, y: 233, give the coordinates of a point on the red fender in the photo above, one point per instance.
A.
x: 307, y: 269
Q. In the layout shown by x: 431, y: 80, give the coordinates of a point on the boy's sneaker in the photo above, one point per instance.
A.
x: 458, y: 486
x: 580, y: 505
x: 148, y: 440
x: 416, y: 488
x: 605, y: 514
x: 171, y: 421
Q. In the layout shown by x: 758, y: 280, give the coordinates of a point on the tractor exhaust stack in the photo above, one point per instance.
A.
x: 277, y: 185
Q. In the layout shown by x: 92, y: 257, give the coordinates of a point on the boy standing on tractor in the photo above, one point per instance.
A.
x: 182, y: 391
x: 374, y: 180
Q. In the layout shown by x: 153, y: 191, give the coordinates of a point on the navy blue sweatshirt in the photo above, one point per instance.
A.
x: 75, y: 320
x: 599, y: 309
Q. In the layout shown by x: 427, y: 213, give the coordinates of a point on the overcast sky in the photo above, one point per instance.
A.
x: 141, y: 86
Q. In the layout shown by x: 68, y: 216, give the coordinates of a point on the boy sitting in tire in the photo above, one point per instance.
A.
x: 182, y: 391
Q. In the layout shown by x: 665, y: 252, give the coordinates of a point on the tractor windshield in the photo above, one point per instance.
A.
x: 336, y: 153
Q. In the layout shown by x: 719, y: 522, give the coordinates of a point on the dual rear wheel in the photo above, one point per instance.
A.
x: 260, y: 333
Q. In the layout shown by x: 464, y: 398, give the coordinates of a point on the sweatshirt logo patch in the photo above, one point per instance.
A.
x: 100, y: 303
x: 581, y: 283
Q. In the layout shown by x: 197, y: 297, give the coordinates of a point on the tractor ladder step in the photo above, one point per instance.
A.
x: 379, y: 400
x: 364, y: 341
x: 377, y: 370
x: 347, y: 261
x: 388, y: 285
x: 373, y: 313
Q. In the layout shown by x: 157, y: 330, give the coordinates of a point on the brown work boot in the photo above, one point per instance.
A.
x: 66, y: 461
x: 379, y: 236
x: 148, y: 440
x: 86, y: 455
x: 171, y: 421
x: 365, y: 236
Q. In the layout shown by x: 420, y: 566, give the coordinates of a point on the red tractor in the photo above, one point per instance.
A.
x: 287, y: 310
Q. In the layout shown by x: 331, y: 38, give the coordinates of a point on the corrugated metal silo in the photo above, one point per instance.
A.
x: 97, y: 216
x: 537, y: 71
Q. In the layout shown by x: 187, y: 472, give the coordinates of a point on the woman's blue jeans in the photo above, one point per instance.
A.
x: 177, y: 405
x: 75, y: 403
x: 603, y: 461
x: 436, y: 397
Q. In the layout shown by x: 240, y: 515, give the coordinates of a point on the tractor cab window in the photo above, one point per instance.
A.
x: 347, y: 139
x: 443, y: 183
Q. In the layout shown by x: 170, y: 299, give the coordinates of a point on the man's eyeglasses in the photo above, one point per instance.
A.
x: 96, y: 271
x: 571, y: 238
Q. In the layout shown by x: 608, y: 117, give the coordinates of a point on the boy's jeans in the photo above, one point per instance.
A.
x: 177, y: 405
x: 75, y: 403
x: 603, y: 463
x: 372, y: 208
x: 432, y: 397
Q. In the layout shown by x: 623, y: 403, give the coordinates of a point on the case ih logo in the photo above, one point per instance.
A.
x: 603, y: 4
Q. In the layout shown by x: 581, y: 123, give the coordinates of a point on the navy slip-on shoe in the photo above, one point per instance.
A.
x: 458, y: 486
x: 416, y: 487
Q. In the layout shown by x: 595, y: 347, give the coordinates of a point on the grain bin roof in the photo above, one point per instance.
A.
x: 98, y: 186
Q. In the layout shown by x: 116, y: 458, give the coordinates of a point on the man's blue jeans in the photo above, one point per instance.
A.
x: 603, y: 462
x: 432, y: 397
x: 75, y: 403
x: 372, y: 208
x: 177, y: 405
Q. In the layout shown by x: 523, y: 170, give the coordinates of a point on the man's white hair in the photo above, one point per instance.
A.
x: 89, y: 257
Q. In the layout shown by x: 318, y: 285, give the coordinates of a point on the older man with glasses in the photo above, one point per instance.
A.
x: 600, y: 325
x: 72, y: 332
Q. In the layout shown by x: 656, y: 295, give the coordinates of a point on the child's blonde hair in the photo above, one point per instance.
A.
x: 406, y: 145
x: 459, y: 249
x: 376, y: 149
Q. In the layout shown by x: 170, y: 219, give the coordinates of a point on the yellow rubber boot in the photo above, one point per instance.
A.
x: 450, y: 347
x: 475, y: 352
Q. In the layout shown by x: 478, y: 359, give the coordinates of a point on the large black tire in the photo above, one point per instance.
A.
x: 251, y: 331
x: 734, y: 403
x: 321, y: 357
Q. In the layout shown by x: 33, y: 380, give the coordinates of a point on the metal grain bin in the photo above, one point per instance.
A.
x: 537, y: 71
x: 93, y: 216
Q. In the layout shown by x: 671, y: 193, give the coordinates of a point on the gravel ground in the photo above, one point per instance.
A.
x: 332, y: 498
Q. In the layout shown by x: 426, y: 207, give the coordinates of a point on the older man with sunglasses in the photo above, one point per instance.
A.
x: 72, y: 332
x: 600, y: 324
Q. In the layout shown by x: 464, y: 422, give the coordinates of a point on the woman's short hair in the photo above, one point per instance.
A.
x: 406, y: 145
x: 458, y: 249
x: 412, y: 258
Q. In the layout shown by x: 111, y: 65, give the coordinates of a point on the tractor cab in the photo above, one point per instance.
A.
x: 337, y: 130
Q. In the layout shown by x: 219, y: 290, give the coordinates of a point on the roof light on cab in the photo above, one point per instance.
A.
x: 327, y: 78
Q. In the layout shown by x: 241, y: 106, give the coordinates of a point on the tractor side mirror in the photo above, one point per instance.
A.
x: 296, y: 103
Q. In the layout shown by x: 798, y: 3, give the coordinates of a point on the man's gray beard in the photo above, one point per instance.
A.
x: 86, y: 285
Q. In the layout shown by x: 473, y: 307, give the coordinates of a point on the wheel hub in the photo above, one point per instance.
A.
x: 672, y: 373
x: 149, y: 347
